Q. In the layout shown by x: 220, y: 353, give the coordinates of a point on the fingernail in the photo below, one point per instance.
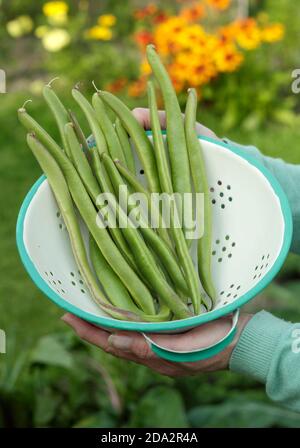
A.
x: 66, y: 318
x: 120, y: 342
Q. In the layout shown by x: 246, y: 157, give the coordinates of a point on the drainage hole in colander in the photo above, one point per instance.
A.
x: 79, y: 273
x: 229, y: 255
x: 224, y: 249
x: 235, y: 296
x: 60, y: 226
x: 46, y: 273
x: 63, y: 291
x: 73, y: 283
x: 213, y: 201
x: 221, y: 293
x: 83, y: 291
x: 230, y: 199
x: 51, y: 273
x: 219, y: 260
x: 217, y: 241
x: 223, y: 206
x: 81, y: 282
x: 213, y: 252
x: 142, y: 171
x: 59, y: 282
x: 221, y: 194
x: 72, y: 274
x: 231, y: 286
x: 228, y: 187
x: 228, y: 295
x: 212, y: 189
x: 227, y: 237
x: 238, y: 287
x: 219, y: 182
x: 57, y: 214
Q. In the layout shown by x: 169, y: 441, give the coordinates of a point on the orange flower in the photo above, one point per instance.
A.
x: 143, y: 38
x: 248, y: 34
x: 137, y: 88
x: 193, y: 13
x: 117, y: 85
x: 272, y: 33
x: 228, y: 58
x: 219, y: 4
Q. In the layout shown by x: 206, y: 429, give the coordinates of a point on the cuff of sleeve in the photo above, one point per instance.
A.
x: 255, y: 348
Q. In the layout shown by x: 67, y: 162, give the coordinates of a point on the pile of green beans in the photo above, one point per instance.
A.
x: 133, y: 272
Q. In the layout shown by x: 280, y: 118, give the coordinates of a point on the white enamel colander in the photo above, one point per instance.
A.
x: 252, y: 229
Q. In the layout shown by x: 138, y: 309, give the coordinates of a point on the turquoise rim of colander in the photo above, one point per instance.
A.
x: 169, y: 325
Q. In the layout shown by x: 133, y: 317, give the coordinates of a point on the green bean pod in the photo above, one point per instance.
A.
x: 126, y: 146
x: 91, y: 117
x: 113, y: 286
x: 175, y: 129
x: 138, y: 187
x: 79, y: 132
x: 162, y: 250
x: 111, y: 253
x: 200, y: 186
x: 59, y: 111
x: 107, y: 187
x: 61, y: 192
x: 112, y: 140
x: 180, y: 243
x: 136, y: 132
x: 147, y: 263
x: 80, y: 162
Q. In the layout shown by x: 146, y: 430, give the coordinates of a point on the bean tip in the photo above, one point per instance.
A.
x: 51, y: 82
x: 78, y: 85
x: 22, y: 109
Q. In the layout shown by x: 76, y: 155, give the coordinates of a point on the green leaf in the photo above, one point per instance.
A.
x: 50, y: 350
x: 161, y: 407
x: 46, y: 404
x: 247, y: 414
x: 98, y: 420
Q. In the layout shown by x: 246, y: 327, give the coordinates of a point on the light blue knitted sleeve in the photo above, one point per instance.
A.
x: 269, y: 348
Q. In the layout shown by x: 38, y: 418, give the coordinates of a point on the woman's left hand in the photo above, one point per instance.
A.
x: 133, y: 347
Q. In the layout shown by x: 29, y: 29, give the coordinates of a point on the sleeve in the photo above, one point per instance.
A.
x: 269, y: 351
x: 288, y: 175
x: 269, y: 348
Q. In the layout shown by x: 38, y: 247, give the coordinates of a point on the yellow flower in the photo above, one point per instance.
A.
x: 248, y: 34
x: 41, y: 30
x: 99, y: 33
x: 219, y: 4
x: 56, y: 39
x: 228, y: 58
x: 272, y: 33
x: 51, y: 9
x: 19, y: 26
x: 58, y: 19
x: 145, y: 68
x: 107, y: 20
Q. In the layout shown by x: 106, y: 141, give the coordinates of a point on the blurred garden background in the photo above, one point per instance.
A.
x: 240, y: 56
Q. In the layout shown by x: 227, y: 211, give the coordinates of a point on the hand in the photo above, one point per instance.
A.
x: 133, y: 347
x: 143, y: 116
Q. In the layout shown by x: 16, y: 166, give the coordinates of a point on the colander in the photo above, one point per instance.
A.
x: 252, y: 229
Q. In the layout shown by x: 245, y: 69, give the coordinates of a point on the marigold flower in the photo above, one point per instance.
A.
x: 107, y: 20
x: 272, y: 33
x: 56, y: 39
x: 137, y: 88
x: 248, y: 34
x: 117, y: 85
x: 19, y: 26
x: 194, y: 12
x: 228, y: 58
x: 99, y: 33
x: 143, y: 38
x: 51, y: 9
x: 219, y: 4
